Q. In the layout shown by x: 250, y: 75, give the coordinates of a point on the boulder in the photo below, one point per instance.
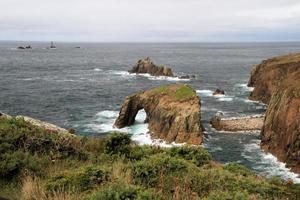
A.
x: 173, y: 113
x: 147, y: 66
x: 219, y: 92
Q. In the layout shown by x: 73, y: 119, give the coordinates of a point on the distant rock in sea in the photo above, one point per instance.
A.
x: 147, y: 66
x: 219, y: 92
x: 173, y: 113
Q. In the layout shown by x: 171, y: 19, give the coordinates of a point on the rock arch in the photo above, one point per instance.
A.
x: 173, y: 113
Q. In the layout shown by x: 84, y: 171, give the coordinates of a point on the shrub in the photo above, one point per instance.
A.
x: 121, y: 192
x: 117, y: 144
x: 197, y: 155
x: 238, y: 169
x: 82, y: 179
x: 139, y: 152
x: 148, y: 171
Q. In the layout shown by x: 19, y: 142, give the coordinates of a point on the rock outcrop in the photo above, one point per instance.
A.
x: 173, y: 113
x: 237, y: 124
x: 267, y: 76
x: 219, y: 92
x: 281, y: 130
x: 38, y: 123
x: 277, y: 82
x: 147, y: 66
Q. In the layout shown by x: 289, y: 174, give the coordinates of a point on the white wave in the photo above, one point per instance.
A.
x: 206, y: 93
x: 104, y: 123
x: 97, y: 69
x: 225, y: 98
x: 245, y: 87
x: 118, y: 72
x: 266, y: 163
x: 161, y: 78
x: 167, y: 78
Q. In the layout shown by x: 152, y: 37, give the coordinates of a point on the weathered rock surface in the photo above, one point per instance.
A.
x: 38, y: 123
x: 277, y: 82
x: 237, y: 124
x: 173, y: 113
x: 147, y: 66
x: 281, y: 130
x: 219, y: 92
x: 267, y: 76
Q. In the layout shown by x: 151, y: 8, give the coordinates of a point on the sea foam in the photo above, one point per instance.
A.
x: 266, y: 163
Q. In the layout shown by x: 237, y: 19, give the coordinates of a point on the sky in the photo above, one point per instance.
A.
x: 150, y: 20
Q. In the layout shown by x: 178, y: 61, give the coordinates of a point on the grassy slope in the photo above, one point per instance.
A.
x: 35, y: 164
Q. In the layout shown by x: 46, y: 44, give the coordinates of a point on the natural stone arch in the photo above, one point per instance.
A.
x: 173, y: 113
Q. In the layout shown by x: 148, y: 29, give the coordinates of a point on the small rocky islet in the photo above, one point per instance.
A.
x: 174, y: 115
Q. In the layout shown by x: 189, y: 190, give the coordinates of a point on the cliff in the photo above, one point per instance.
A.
x: 277, y: 82
x: 147, y: 66
x: 281, y: 130
x: 268, y: 75
x: 173, y: 113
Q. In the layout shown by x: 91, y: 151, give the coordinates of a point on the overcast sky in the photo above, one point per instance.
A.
x: 150, y: 20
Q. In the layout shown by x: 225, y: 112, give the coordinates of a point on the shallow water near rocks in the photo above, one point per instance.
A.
x: 84, y: 88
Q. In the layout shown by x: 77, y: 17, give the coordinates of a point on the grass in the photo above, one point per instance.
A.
x: 176, y: 91
x: 115, y: 168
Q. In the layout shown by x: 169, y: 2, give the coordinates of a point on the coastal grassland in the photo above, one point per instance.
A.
x: 38, y: 165
x: 176, y: 91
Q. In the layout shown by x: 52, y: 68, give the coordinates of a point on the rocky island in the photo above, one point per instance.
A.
x: 173, y: 113
x: 147, y: 66
x: 277, y: 82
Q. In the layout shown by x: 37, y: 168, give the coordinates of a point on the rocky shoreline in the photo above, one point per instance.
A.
x: 243, y: 124
x: 276, y: 82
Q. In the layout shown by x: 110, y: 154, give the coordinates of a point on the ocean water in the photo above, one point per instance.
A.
x: 84, y: 89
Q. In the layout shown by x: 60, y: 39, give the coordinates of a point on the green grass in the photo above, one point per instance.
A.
x: 115, y: 168
x: 176, y: 91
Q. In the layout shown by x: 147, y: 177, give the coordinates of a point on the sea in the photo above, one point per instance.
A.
x: 83, y: 88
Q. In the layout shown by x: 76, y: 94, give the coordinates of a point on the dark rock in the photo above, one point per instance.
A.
x: 20, y: 47
x: 219, y: 92
x: 147, y: 66
x: 28, y: 47
x: 173, y: 113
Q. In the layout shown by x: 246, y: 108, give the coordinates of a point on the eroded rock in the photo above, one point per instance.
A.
x: 147, y: 66
x: 268, y: 75
x: 173, y: 113
x: 277, y: 82
x: 281, y: 130
x: 219, y: 92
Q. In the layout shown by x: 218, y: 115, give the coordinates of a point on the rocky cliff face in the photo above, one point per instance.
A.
x: 277, y: 82
x: 281, y: 130
x: 173, y: 113
x: 267, y: 76
x: 147, y: 66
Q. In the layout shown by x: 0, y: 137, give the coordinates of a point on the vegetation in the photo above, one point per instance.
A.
x: 176, y: 91
x: 38, y: 165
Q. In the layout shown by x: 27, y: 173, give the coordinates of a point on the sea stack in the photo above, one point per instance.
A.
x: 173, y: 113
x: 147, y: 66
x: 277, y: 82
